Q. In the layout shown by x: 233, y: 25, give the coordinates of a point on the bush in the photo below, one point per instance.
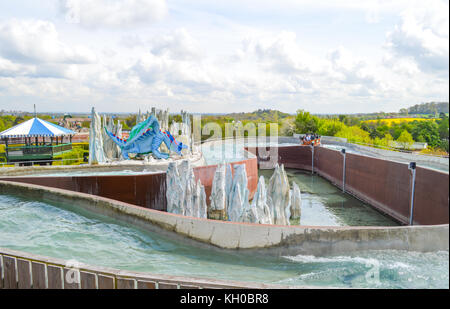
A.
x: 355, y: 134
x: 74, y: 157
x: 405, y: 140
x: 84, y: 146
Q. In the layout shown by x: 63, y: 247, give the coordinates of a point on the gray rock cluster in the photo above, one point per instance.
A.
x: 275, y: 204
x: 185, y: 196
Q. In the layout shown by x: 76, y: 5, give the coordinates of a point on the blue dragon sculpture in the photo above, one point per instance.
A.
x: 146, y: 137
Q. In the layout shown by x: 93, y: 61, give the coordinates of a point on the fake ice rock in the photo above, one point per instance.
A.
x: 275, y: 204
x: 296, y: 201
x: 184, y: 195
x: 259, y: 203
x: 278, y: 193
x: 96, y: 154
x: 238, y: 195
x: 175, y: 190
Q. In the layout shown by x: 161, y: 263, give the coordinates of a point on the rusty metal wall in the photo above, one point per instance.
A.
x: 298, y: 157
x: 431, y: 197
x: 383, y: 184
x: 148, y: 190
x: 386, y: 185
x: 329, y: 164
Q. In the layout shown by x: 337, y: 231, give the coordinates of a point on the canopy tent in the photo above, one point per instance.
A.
x: 36, y: 140
x: 35, y: 127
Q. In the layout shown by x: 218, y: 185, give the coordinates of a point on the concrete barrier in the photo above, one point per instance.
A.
x: 436, y: 162
x: 248, y: 238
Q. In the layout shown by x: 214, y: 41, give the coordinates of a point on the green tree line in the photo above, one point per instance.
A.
x: 434, y: 132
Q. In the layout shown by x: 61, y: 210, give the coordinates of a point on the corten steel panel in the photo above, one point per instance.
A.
x: 105, y: 282
x: 143, y: 190
x: 87, y: 184
x: 299, y: 157
x: 24, y: 274
x: 38, y: 274
x: 54, y: 276
x: 329, y: 164
x: 54, y: 182
x: 87, y: 280
x: 1, y: 272
x: 206, y: 176
x: 9, y: 273
x: 151, y: 191
x: 431, y: 197
x: 117, y: 188
x: 386, y: 185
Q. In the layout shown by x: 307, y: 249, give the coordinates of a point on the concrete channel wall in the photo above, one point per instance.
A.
x: 20, y: 270
x: 248, y: 238
x: 384, y: 184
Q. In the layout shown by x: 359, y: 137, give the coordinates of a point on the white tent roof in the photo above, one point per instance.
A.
x: 36, y: 127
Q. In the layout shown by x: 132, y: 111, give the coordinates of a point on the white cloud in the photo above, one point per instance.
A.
x: 280, y: 53
x: 351, y: 69
x: 423, y: 36
x: 113, y: 13
x: 179, y: 45
x: 37, y: 41
x: 211, y: 57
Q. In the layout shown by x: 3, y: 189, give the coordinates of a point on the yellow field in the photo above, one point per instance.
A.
x: 390, y: 121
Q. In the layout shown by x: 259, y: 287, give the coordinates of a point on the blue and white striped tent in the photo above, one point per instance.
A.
x: 34, y: 128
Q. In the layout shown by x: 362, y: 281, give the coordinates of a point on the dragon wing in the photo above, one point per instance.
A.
x: 138, y: 131
x: 141, y: 128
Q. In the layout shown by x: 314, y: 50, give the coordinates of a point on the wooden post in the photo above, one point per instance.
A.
x: 6, y: 150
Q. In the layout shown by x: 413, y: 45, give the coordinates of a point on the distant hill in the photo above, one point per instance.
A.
x: 260, y: 114
x: 429, y: 108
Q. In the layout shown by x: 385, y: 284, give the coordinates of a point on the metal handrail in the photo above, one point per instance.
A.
x: 38, y: 161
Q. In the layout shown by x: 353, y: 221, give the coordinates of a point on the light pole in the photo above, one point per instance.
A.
x: 343, y: 170
x: 412, y: 168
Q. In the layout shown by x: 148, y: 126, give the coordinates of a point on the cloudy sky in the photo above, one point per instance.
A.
x: 223, y: 56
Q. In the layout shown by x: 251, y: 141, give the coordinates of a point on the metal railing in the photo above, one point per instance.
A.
x: 38, y: 150
x: 37, y: 162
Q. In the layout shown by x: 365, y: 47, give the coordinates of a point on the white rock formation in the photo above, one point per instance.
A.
x: 259, y: 203
x: 96, y: 154
x: 175, y: 190
x: 238, y: 195
x: 275, y: 204
x: 111, y: 150
x: 278, y: 196
x: 184, y: 195
x: 219, y: 194
x: 296, y: 202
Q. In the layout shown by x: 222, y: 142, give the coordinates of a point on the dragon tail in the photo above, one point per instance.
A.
x: 116, y: 139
